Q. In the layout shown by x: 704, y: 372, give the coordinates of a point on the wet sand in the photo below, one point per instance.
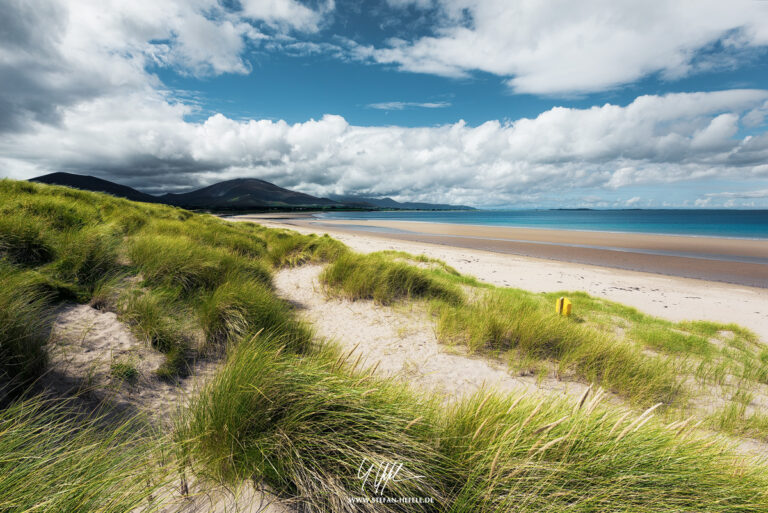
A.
x: 670, y: 297
x: 738, y: 261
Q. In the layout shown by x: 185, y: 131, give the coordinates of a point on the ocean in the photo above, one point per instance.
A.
x: 751, y: 224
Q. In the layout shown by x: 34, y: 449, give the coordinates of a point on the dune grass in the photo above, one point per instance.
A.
x: 87, y: 257
x: 305, y: 424
x: 639, y: 357
x: 178, y: 261
x: 720, y: 362
x: 295, y: 415
x: 23, y: 315
x: 381, y: 277
x: 24, y: 242
x: 155, y: 316
x: 301, y: 427
x: 289, y: 249
x: 54, y: 459
x: 519, y: 325
x: 239, y: 307
x: 124, y: 371
x: 500, y: 321
x: 168, y: 273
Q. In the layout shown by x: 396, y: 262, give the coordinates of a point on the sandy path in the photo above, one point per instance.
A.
x: 85, y: 342
x: 668, y: 297
x: 403, y: 342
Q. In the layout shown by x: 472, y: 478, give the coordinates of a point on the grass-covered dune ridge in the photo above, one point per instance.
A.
x: 641, y: 358
x: 65, y: 244
x: 186, y: 284
x: 305, y: 423
x: 293, y: 412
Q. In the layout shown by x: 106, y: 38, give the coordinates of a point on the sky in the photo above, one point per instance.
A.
x: 489, y: 103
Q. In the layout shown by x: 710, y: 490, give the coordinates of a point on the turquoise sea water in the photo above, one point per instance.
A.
x: 716, y: 223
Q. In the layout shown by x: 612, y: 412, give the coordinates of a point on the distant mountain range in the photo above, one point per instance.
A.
x: 237, y: 194
x: 245, y: 193
x: 367, y: 201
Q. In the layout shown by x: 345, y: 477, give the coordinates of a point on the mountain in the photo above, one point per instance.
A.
x: 366, y: 201
x: 91, y: 183
x: 245, y: 193
x: 240, y: 193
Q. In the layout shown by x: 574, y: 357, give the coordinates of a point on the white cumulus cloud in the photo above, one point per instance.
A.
x: 655, y: 139
x: 55, y: 54
x: 565, y: 47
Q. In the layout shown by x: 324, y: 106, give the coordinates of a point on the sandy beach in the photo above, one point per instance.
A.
x: 738, y: 261
x: 595, y: 271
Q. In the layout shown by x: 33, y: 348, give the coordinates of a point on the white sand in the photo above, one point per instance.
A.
x: 217, y: 499
x: 401, y: 342
x: 668, y: 297
x: 85, y: 342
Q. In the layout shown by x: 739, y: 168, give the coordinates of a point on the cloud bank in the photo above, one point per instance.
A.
x: 653, y: 140
x: 81, y: 96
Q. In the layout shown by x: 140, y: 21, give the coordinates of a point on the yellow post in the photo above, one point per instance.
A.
x: 563, y: 306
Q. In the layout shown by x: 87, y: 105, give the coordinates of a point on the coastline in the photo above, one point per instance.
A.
x: 319, y: 216
x: 728, y: 260
x: 672, y: 297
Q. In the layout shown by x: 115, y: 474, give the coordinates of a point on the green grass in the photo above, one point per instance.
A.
x: 24, y: 242
x: 87, y: 256
x: 509, y: 322
x: 305, y: 425
x: 23, y: 316
x: 433, y: 264
x: 288, y: 249
x: 54, y: 459
x: 285, y: 417
x: 124, y: 371
x: 668, y: 340
x: 176, y: 364
x: 162, y: 321
x: 155, y: 316
x: 59, y: 244
x: 734, y: 419
x: 239, y: 239
x: 179, y: 261
x: 682, y: 338
x: 640, y: 357
x: 239, y: 307
x: 293, y: 414
x: 381, y: 277
x: 519, y: 325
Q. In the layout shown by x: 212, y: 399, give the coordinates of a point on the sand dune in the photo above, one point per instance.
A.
x: 401, y: 342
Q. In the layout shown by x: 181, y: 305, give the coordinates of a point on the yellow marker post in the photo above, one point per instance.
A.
x: 563, y: 306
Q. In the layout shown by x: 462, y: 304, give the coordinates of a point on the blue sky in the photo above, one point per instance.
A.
x: 296, y: 87
x: 483, y: 102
